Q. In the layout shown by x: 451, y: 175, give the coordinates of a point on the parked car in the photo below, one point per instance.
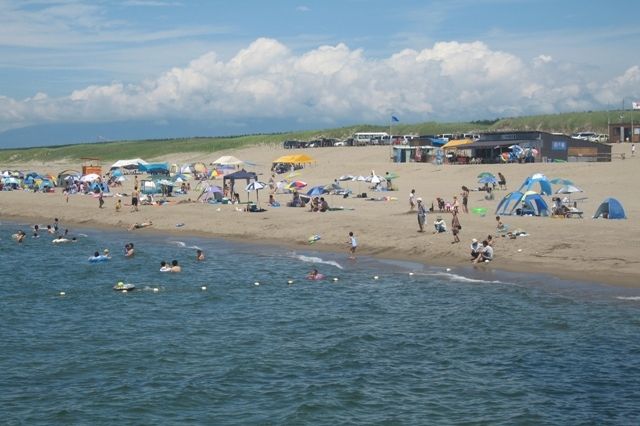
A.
x: 587, y: 136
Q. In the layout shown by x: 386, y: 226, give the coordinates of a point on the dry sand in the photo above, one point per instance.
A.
x: 606, y: 251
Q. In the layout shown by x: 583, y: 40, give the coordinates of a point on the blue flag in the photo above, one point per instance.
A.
x: 394, y: 118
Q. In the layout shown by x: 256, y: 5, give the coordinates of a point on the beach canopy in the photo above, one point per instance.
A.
x: 610, y: 209
x: 317, y: 190
x: 537, y: 179
x: 457, y: 143
x: 294, y: 159
x: 228, y: 160
x: 153, y: 168
x: 128, y: 164
x: 534, y: 204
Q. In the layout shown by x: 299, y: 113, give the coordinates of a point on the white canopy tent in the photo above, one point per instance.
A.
x: 132, y: 163
x: 228, y: 160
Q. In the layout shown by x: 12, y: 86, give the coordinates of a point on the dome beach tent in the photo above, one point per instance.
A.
x: 610, y: 209
x: 539, y: 178
x: 530, y: 203
x: 509, y: 203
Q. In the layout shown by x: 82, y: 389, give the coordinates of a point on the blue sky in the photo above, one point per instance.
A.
x: 216, y: 67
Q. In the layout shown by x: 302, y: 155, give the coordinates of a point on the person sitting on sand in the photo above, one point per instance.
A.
x: 500, y: 227
x: 440, y: 225
x: 164, y: 267
x: 486, y: 253
x: 324, y: 205
x: 118, y: 205
x: 175, y: 267
x: 273, y: 202
x: 314, y: 205
x: 475, y: 249
x: 199, y: 255
x: 140, y: 225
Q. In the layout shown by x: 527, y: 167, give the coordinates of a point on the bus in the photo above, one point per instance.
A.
x: 369, y: 138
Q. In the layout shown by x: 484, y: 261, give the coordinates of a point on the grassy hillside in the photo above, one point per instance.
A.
x: 148, y: 149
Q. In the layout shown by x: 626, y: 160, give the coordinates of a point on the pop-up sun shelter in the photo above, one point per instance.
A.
x: 610, y: 209
x: 545, y: 185
x: 240, y: 174
x: 528, y: 203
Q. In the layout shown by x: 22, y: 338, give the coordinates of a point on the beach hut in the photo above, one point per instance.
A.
x: 610, y: 209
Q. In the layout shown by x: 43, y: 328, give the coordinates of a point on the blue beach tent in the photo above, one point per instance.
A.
x: 610, y: 209
x: 545, y: 185
x: 509, y: 203
x: 533, y: 204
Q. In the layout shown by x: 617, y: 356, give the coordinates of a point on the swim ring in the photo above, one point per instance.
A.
x: 101, y: 258
x: 124, y: 287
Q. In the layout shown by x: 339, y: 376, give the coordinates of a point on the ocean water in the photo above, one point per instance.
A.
x: 417, y: 345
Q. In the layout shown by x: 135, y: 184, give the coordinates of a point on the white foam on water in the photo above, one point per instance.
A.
x: 313, y: 259
x: 194, y: 247
x: 628, y: 298
x: 459, y: 278
x: 178, y: 243
x: 82, y: 235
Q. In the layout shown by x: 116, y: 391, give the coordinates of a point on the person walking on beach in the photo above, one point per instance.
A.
x: 502, y: 181
x: 633, y: 149
x: 422, y: 215
x: 134, y: 199
x: 101, y: 200
x: 455, y: 227
x: 465, y: 198
x: 412, y: 200
x: 353, y: 245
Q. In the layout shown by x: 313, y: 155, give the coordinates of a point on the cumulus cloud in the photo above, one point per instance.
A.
x: 449, y: 80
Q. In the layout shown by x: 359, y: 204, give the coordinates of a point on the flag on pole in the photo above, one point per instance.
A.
x: 394, y: 118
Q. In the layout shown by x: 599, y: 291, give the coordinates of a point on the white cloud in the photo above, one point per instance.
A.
x: 450, y: 80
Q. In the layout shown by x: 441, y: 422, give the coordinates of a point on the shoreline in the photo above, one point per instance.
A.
x: 597, y: 251
x: 597, y: 278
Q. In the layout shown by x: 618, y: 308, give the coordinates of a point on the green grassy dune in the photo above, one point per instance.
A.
x: 148, y: 149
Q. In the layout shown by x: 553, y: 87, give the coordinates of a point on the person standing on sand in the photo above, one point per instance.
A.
x: 353, y: 245
x: 455, y: 227
x: 134, y: 199
x: 101, y: 200
x: 465, y: 198
x: 412, y: 200
x: 633, y: 149
x: 422, y: 215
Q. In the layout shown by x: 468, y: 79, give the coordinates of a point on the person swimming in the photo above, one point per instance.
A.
x: 164, y: 267
x: 199, y: 255
x: 175, y: 267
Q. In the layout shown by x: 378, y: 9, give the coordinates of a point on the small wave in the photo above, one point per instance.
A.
x: 628, y: 297
x: 460, y: 278
x: 194, y: 247
x: 82, y: 235
x: 178, y: 243
x: 313, y: 259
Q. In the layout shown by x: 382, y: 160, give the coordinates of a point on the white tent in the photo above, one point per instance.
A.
x: 134, y: 162
x: 228, y: 160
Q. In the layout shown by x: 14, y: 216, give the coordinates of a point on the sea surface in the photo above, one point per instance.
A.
x: 375, y: 342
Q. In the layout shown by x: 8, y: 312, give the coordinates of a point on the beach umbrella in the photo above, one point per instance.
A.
x: 316, y: 190
x: 488, y: 179
x: 561, y: 181
x: 256, y: 186
x: 297, y: 184
x: 484, y: 174
x: 90, y: 177
x: 568, y: 189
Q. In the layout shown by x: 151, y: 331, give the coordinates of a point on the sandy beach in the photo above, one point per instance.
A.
x: 604, y: 251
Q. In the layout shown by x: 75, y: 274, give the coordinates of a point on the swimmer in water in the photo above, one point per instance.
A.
x: 164, y: 267
x: 313, y: 274
x: 128, y: 250
x: 199, y: 255
x: 175, y: 267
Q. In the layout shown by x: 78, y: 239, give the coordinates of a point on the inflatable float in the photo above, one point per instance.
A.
x: 124, y: 287
x: 101, y: 258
